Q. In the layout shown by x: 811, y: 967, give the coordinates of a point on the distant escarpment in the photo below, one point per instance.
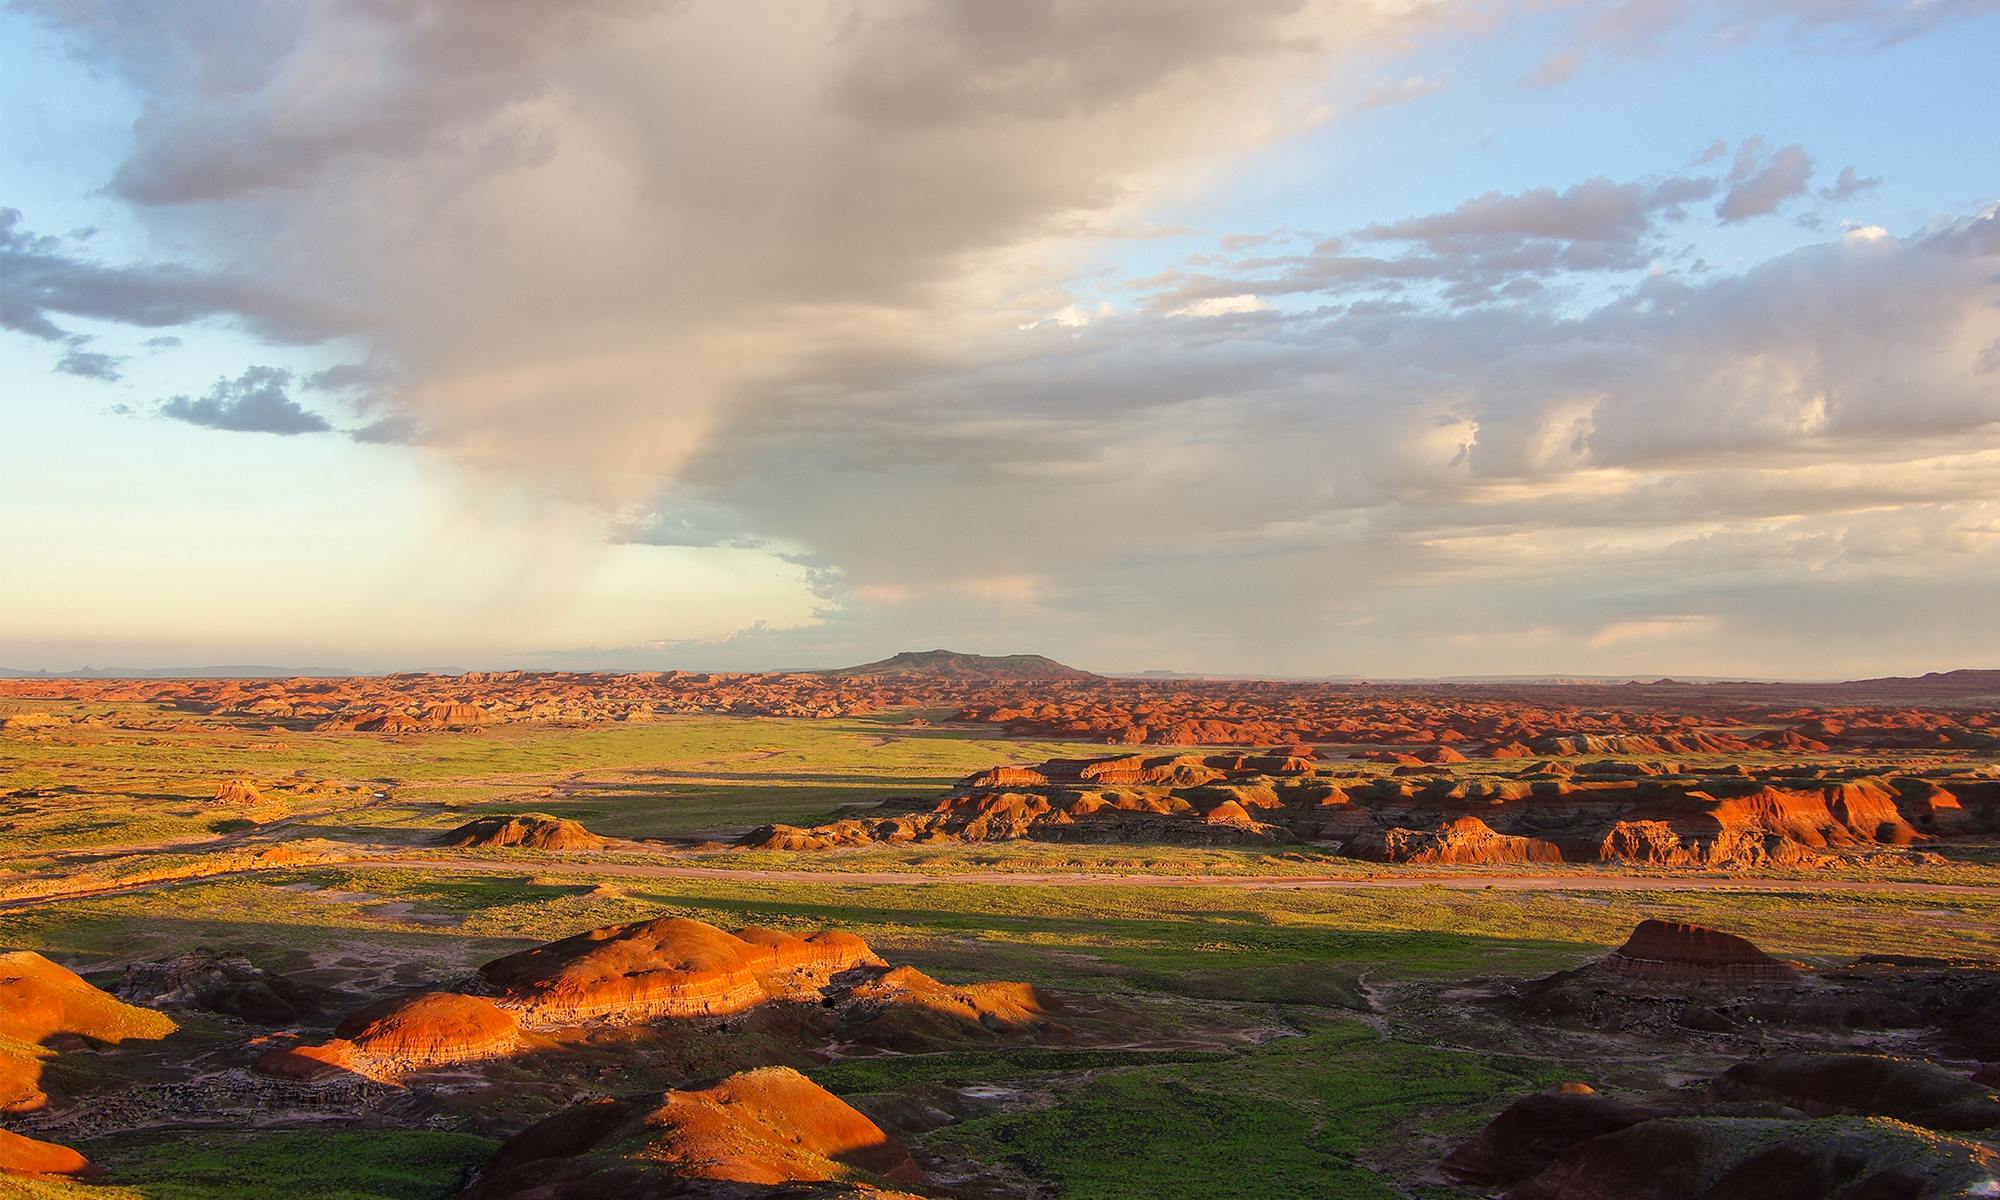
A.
x: 1660, y: 815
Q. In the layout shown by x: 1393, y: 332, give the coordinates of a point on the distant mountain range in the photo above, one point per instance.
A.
x: 951, y: 664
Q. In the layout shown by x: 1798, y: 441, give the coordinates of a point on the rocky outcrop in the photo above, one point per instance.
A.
x: 221, y: 982
x: 533, y: 831
x: 674, y: 968
x: 1739, y: 1158
x: 239, y: 793
x: 671, y: 967
x: 1535, y: 1130
x: 399, y: 1035
x: 1737, y: 1143
x: 40, y: 999
x: 764, y: 1128
x: 1675, y: 950
x: 1911, y: 1090
x: 26, y: 1156
x: 1552, y: 812
x: 42, y: 1002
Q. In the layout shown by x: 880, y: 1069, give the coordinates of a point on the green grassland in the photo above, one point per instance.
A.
x: 1295, y: 1117
x: 117, y: 786
x: 380, y: 1164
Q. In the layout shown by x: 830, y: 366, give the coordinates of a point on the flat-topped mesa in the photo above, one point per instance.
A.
x: 766, y: 1128
x: 534, y: 831
x: 1680, y: 952
x: 405, y: 1033
x: 670, y: 967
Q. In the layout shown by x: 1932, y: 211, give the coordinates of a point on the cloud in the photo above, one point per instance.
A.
x: 504, y: 195
x: 89, y: 364
x: 1222, y: 306
x: 1648, y: 28
x: 1761, y: 181
x: 1402, y: 91
x: 682, y: 520
x: 254, y: 402
x: 1494, y: 247
x: 1655, y: 629
x: 47, y: 278
x: 1597, y: 210
x: 397, y: 429
x: 1850, y: 184
x: 853, y: 338
x: 1557, y: 69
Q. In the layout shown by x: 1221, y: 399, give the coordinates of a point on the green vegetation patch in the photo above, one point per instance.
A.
x: 1297, y: 1117
x: 860, y: 1076
x: 345, y: 1165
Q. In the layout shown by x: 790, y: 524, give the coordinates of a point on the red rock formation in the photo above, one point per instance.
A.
x: 537, y: 831
x: 222, y: 982
x: 40, y: 1000
x: 1675, y: 950
x: 1535, y: 1130
x: 26, y: 1156
x: 1722, y: 1158
x: 1868, y: 1085
x: 768, y: 1127
x: 239, y: 792
x: 1549, y: 813
x: 671, y: 967
x: 402, y: 1034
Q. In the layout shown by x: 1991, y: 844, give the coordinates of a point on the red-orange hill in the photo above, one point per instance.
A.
x: 768, y: 1127
x: 671, y: 968
x: 44, y: 1002
x: 1591, y: 812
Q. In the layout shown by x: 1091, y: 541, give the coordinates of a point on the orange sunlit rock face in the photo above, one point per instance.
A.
x: 43, y: 1001
x: 672, y: 967
x: 26, y: 1156
x: 405, y: 1033
x: 770, y: 1126
x: 1654, y: 814
x: 533, y: 831
x: 666, y: 970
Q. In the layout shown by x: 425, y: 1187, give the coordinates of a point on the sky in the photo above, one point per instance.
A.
x: 1393, y: 338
